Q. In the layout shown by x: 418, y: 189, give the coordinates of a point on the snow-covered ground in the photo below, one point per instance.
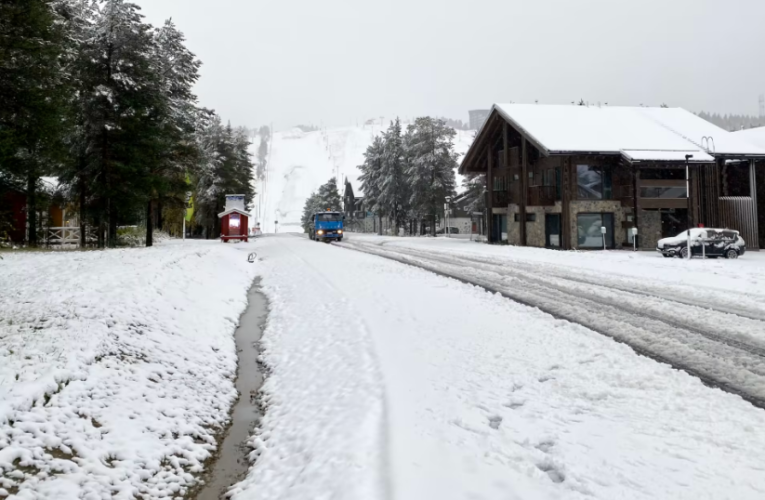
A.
x: 116, y: 368
x: 299, y: 162
x: 387, y: 381
x: 705, y: 316
x: 384, y: 381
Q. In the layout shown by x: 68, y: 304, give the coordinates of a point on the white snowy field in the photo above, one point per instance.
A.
x: 388, y: 381
x: 299, y: 162
x: 116, y: 368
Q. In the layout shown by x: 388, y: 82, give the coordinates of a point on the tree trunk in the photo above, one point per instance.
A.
x: 32, y: 210
x: 112, y: 227
x: 83, y: 228
x: 101, y: 227
x: 160, y: 225
x: 149, y: 225
x: 433, y: 225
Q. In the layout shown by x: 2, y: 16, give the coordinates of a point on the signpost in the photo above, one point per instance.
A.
x: 634, y: 231
x: 603, y: 232
x: 688, y: 196
x: 447, y: 214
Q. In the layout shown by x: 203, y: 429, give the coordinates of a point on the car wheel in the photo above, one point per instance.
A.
x: 683, y: 254
x: 666, y: 255
x: 731, y: 254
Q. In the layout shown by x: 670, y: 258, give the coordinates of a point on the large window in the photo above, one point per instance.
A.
x: 593, y: 183
x: 589, y: 234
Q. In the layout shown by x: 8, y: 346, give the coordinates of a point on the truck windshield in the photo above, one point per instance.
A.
x: 329, y: 217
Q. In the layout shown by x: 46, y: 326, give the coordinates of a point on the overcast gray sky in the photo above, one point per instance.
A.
x: 339, y: 61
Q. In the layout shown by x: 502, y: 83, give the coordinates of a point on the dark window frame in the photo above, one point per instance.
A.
x: 530, y: 217
x: 609, y: 230
x: 606, y: 181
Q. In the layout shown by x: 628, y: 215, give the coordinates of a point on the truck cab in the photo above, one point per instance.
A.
x: 327, y: 226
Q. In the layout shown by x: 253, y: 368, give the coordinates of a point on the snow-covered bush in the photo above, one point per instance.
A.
x: 133, y: 236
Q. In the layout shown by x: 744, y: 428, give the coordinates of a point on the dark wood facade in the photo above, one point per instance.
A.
x: 525, y: 183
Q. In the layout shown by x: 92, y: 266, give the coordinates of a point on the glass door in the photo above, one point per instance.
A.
x: 552, y: 231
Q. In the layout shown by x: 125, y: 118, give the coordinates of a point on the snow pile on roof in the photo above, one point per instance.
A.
x: 116, y: 368
x: 301, y: 161
x: 754, y: 135
x: 613, y: 129
x: 696, y: 156
x: 234, y: 203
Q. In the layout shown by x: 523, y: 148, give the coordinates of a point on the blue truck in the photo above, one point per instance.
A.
x: 327, y: 226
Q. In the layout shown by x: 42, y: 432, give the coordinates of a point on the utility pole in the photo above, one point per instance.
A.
x: 688, y: 194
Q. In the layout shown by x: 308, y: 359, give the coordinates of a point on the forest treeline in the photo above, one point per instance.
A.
x: 92, y: 94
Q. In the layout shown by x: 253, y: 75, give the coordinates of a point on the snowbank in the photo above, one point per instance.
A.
x: 116, y: 367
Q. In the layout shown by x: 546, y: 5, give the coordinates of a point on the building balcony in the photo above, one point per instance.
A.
x: 542, y: 196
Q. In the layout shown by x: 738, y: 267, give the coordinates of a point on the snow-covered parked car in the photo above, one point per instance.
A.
x: 711, y: 242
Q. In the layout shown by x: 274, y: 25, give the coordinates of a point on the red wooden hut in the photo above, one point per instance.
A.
x: 234, y: 224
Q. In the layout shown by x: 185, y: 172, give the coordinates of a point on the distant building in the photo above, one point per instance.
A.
x: 477, y: 117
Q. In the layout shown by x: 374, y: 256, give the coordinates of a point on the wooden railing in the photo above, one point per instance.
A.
x: 542, y: 196
x: 67, y: 236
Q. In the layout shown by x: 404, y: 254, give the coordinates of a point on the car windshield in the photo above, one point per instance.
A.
x: 332, y: 217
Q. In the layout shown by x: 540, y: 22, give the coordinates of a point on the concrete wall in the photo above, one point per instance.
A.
x: 649, y: 228
x: 649, y: 223
x: 597, y: 206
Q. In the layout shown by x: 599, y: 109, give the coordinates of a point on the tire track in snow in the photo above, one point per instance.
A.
x: 637, y: 288
x: 730, y: 365
x: 607, y: 297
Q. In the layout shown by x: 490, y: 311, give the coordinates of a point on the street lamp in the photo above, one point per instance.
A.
x: 688, y: 204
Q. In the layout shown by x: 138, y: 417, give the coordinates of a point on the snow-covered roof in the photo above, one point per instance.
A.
x: 754, y: 135
x: 614, y: 129
x: 232, y: 210
x: 638, y: 155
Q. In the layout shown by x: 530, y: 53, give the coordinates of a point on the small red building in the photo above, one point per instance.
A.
x: 234, y: 224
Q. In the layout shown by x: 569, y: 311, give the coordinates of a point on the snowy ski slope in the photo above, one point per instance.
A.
x: 300, y: 162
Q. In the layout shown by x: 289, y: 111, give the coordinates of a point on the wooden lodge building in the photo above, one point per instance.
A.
x: 567, y: 171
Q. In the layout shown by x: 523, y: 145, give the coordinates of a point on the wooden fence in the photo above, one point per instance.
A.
x: 739, y: 213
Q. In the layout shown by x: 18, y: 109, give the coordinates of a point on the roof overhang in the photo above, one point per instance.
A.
x: 231, y: 211
x: 666, y: 156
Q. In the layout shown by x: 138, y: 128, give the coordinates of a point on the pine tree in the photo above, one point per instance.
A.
x: 33, y: 95
x: 326, y: 198
x: 121, y: 100
x: 370, y: 177
x: 224, y: 167
x: 393, y: 195
x: 329, y: 196
x: 177, y: 69
x: 432, y: 161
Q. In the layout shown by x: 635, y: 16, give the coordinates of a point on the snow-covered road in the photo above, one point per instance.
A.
x: 388, y: 381
x: 718, y: 337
